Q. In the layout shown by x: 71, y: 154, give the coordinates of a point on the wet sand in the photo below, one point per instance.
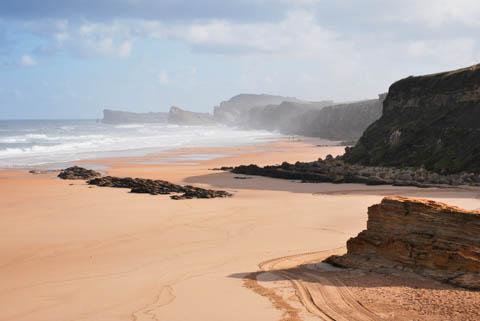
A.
x: 75, y: 252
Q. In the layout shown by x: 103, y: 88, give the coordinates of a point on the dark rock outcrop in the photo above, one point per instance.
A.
x: 180, y: 116
x: 431, y: 121
x: 335, y: 170
x: 422, y: 236
x: 76, y: 172
x: 157, y: 187
x: 125, y: 117
x: 141, y: 185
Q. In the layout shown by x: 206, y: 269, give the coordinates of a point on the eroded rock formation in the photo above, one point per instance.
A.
x: 417, y: 235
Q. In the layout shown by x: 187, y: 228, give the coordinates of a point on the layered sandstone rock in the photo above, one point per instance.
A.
x: 422, y: 236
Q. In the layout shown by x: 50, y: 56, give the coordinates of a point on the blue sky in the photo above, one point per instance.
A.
x: 71, y: 59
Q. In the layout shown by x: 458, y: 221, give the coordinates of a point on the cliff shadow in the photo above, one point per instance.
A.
x: 227, y: 180
x: 352, y: 278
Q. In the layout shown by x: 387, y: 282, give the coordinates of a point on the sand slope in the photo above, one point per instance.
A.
x: 71, y: 252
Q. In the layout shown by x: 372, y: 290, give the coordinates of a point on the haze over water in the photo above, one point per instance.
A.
x: 27, y: 143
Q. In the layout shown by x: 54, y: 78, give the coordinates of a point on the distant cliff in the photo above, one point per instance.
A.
x: 317, y: 119
x: 431, y: 121
x: 122, y: 117
x: 180, y: 116
x: 292, y: 116
x: 231, y: 112
x: 429, y: 238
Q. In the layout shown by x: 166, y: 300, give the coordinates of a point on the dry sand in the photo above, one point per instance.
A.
x: 74, y: 252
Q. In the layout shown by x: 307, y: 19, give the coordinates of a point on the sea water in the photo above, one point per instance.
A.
x: 29, y: 143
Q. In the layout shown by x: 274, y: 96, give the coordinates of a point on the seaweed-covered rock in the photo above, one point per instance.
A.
x: 76, y: 172
x: 335, y: 170
x: 157, y: 187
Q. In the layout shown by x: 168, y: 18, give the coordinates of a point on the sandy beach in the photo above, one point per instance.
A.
x: 70, y: 251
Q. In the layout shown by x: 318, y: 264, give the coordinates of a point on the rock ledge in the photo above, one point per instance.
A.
x: 417, y: 235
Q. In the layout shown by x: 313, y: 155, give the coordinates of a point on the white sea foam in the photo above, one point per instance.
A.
x: 130, y: 126
x: 31, y: 144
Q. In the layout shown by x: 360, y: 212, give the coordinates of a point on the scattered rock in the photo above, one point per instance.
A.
x: 223, y: 168
x: 157, y: 187
x: 422, y: 236
x: 196, y: 192
x: 77, y: 172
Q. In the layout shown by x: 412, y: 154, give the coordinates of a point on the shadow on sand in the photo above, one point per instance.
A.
x: 227, y: 180
x: 328, y: 275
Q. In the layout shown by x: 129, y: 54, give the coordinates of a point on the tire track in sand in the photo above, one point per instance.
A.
x: 322, y: 294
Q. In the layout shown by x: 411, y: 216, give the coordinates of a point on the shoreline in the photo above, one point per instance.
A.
x: 170, y: 154
x: 86, y: 253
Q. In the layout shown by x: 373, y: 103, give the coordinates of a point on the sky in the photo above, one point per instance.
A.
x: 72, y: 59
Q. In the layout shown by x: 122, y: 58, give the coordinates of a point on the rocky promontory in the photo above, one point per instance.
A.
x: 232, y: 111
x: 179, y: 116
x: 431, y: 121
x: 417, y: 235
x: 125, y: 117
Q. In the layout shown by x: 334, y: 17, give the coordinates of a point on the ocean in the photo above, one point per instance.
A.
x: 33, y: 143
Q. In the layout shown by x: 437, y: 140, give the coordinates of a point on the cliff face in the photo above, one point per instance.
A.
x: 429, y: 238
x: 317, y: 119
x: 291, y: 116
x: 122, y: 117
x: 180, y: 116
x: 340, y: 122
x: 279, y: 117
x: 431, y: 121
x: 231, y: 111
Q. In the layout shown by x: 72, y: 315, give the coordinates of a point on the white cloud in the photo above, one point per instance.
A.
x: 85, y: 39
x: 457, y: 51
x: 163, y: 77
x: 298, y: 34
x: 107, y: 47
x: 27, y: 60
x: 436, y: 13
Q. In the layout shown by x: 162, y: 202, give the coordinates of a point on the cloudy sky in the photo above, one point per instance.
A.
x: 71, y: 59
